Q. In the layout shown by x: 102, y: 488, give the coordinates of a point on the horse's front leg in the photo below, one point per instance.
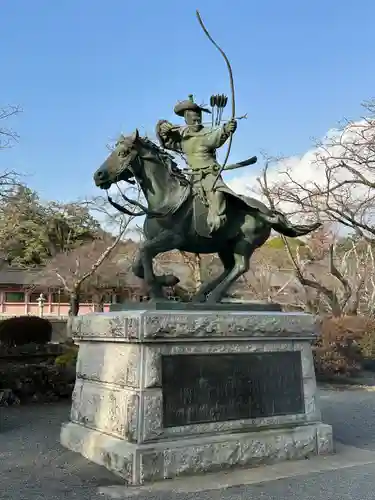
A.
x: 166, y: 240
x: 163, y: 279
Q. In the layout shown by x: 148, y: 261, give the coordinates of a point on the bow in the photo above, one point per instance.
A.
x: 232, y: 92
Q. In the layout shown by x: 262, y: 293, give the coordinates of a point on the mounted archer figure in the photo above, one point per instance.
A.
x: 199, y: 144
x: 210, y: 218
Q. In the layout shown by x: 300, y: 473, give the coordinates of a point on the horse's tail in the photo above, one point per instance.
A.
x: 283, y: 226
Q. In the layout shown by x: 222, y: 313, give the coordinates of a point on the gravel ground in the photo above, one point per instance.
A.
x: 352, y: 415
x: 33, y: 466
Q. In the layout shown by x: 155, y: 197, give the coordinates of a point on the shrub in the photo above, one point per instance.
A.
x: 345, y: 330
x: 331, y: 362
x: 35, y: 382
x: 345, y: 346
x: 23, y: 330
x: 367, y: 346
x: 69, y: 358
x: 35, y: 353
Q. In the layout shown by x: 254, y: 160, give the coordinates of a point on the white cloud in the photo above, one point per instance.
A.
x: 301, y: 168
x: 353, y: 144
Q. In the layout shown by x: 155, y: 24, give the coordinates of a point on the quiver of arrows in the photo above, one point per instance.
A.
x: 217, y: 103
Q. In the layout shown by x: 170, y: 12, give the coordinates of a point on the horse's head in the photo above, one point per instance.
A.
x: 136, y: 157
x: 120, y: 164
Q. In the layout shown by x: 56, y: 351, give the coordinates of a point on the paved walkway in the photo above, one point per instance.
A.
x: 33, y: 466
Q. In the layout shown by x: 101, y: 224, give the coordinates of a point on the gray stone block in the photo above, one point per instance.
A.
x: 110, y: 362
x: 139, y: 464
x: 138, y: 324
x: 117, y: 408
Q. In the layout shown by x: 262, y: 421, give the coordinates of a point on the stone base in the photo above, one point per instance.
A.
x: 161, y: 394
x: 170, y: 305
x: 142, y: 463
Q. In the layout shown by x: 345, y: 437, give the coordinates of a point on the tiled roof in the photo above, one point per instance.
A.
x: 17, y: 276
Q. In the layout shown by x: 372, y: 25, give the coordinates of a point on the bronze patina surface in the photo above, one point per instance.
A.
x: 193, y: 210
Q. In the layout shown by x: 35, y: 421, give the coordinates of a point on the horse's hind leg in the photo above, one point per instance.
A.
x: 227, y: 259
x: 241, y: 266
x: 254, y: 234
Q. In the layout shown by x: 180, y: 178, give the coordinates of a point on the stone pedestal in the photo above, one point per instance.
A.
x: 164, y: 393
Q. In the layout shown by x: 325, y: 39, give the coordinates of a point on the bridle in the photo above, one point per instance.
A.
x: 143, y: 209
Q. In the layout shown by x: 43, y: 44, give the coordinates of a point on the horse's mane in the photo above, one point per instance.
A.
x: 167, y: 158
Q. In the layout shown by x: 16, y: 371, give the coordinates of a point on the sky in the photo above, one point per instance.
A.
x: 86, y: 70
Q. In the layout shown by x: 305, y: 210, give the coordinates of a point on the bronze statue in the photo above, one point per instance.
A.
x: 176, y: 219
x: 193, y: 212
x: 199, y: 145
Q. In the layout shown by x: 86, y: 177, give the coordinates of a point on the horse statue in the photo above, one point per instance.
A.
x: 176, y: 218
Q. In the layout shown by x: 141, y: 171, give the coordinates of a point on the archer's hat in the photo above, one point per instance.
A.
x: 188, y: 105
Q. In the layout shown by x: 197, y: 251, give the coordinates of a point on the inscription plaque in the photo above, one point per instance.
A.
x: 199, y: 388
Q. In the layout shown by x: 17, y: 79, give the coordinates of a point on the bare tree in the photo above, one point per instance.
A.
x: 358, y: 265
x: 7, y: 134
x: 194, y: 263
x: 341, y: 184
x: 104, y: 212
x: 112, y: 277
x: 75, y: 268
x: 9, y: 179
x: 192, y: 269
x: 269, y: 278
x: 343, y: 277
x: 200, y: 267
x: 337, y: 283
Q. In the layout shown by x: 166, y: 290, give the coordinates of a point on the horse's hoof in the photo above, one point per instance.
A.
x: 158, y: 298
x: 199, y: 299
x: 211, y: 300
x: 171, y: 280
x: 156, y: 293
